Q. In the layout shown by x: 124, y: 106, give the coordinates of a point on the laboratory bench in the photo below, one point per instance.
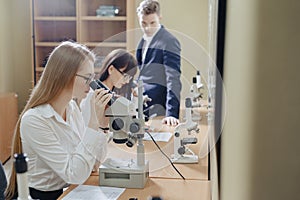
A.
x: 163, y: 180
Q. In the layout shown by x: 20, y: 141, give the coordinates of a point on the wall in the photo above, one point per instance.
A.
x: 260, y: 141
x: 188, y: 17
x: 15, y: 53
x: 22, y: 55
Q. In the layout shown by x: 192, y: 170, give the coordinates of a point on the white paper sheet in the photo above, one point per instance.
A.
x: 159, y: 136
x: 94, y: 193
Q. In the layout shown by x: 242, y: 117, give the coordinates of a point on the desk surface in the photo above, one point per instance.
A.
x: 164, y: 180
x: 168, y: 189
x: 159, y: 166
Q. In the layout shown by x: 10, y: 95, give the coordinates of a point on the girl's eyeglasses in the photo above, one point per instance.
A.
x: 126, y: 76
x: 88, y: 79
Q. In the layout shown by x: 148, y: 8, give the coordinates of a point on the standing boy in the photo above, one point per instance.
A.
x: 158, y: 56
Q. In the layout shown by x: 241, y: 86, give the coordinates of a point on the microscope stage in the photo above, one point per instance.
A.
x: 185, y: 159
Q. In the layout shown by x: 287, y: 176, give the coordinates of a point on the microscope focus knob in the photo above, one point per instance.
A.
x: 181, y: 150
x: 129, y: 143
x: 117, y: 124
x: 134, y: 127
x: 188, y: 103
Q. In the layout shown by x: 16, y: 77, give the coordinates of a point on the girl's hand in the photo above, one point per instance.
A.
x: 102, y: 97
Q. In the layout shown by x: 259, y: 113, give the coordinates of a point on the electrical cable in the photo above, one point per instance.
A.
x: 165, y: 155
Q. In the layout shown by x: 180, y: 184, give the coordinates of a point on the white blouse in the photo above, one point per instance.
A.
x: 60, y: 152
x: 85, y: 107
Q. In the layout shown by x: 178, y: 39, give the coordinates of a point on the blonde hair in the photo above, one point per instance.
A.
x: 59, y: 73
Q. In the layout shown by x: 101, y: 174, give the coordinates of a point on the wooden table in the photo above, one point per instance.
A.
x: 168, y: 189
x: 164, y: 180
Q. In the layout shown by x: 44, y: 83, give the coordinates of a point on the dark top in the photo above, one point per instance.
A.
x: 161, y: 72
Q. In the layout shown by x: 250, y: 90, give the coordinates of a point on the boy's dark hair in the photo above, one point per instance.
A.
x: 148, y: 7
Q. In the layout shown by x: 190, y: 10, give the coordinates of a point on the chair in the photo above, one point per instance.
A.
x: 3, y: 182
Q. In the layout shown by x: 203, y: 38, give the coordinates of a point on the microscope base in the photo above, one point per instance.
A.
x: 123, y: 173
x: 185, y: 159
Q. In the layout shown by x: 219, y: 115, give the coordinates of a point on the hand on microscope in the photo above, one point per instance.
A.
x: 99, y: 102
x: 170, y: 121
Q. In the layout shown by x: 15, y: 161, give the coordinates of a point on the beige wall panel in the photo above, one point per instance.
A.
x: 21, y: 52
x: 260, y: 150
x: 15, y: 49
x: 6, y: 61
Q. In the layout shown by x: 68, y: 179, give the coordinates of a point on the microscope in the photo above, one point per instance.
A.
x: 127, y: 127
x: 182, y: 154
x: 196, y: 96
